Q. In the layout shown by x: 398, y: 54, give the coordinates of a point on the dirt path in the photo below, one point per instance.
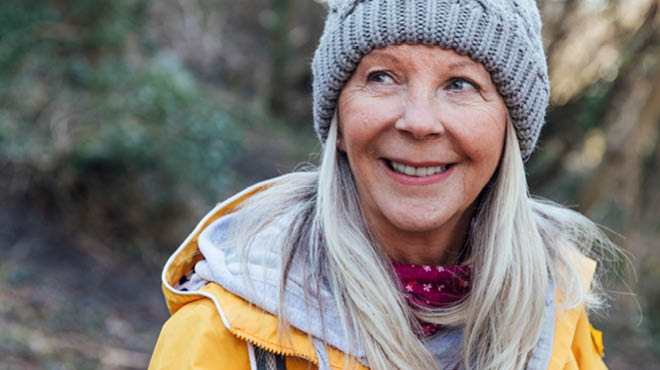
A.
x: 65, y: 304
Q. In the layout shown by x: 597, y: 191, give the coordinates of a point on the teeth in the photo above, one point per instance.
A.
x: 417, y: 171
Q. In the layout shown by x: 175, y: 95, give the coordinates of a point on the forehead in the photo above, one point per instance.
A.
x: 417, y: 55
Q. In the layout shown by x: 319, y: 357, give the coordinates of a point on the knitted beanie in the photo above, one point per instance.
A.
x: 503, y: 35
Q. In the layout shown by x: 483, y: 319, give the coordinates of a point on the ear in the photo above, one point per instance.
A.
x: 341, y: 145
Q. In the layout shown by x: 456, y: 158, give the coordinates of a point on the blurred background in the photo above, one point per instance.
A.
x: 123, y: 121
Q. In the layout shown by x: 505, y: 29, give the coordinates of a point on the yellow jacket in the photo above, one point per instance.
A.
x: 212, y: 328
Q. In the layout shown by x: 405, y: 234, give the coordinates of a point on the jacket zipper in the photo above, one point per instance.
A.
x: 275, y: 351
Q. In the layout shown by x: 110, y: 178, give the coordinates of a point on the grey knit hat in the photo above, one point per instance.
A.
x: 503, y: 35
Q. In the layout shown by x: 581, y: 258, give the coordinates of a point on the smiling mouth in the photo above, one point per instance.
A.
x: 409, y: 170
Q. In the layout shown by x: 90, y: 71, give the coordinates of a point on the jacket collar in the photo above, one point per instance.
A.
x: 566, y: 320
x: 246, y: 321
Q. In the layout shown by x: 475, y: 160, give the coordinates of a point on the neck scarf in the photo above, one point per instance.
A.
x: 433, y: 287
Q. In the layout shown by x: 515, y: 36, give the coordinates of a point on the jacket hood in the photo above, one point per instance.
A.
x: 208, y: 252
x: 258, y: 282
x: 246, y: 306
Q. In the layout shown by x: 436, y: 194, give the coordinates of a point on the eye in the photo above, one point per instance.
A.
x: 380, y: 77
x: 461, y: 84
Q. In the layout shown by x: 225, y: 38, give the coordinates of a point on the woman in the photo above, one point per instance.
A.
x: 414, y: 244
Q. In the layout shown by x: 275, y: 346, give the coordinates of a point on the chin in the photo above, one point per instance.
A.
x: 419, y: 222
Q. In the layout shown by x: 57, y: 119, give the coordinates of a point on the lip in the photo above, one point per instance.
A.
x: 416, y: 164
x: 417, y: 181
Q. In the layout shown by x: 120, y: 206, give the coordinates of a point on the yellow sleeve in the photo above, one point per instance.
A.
x: 587, y: 345
x: 195, y: 338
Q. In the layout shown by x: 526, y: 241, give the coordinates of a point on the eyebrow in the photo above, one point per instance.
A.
x: 379, y: 54
x: 456, y: 65
x: 462, y: 64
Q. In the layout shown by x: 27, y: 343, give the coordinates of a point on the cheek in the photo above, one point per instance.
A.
x: 486, y: 135
x: 353, y: 135
x: 487, y: 146
x: 482, y: 143
x: 361, y: 123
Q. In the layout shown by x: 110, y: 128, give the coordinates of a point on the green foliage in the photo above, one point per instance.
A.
x: 157, y: 121
x: 101, y: 119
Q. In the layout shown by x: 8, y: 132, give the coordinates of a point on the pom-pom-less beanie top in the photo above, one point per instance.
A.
x: 503, y: 35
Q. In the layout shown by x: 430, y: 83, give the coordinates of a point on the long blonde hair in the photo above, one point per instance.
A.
x: 517, y: 245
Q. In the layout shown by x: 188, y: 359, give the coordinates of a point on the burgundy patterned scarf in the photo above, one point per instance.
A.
x: 433, y: 287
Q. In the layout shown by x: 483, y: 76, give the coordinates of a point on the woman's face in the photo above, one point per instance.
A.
x: 423, y: 129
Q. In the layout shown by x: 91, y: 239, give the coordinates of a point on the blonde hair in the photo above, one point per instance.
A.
x: 517, y: 245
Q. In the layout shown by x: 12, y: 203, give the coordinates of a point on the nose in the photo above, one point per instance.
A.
x: 420, y: 120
